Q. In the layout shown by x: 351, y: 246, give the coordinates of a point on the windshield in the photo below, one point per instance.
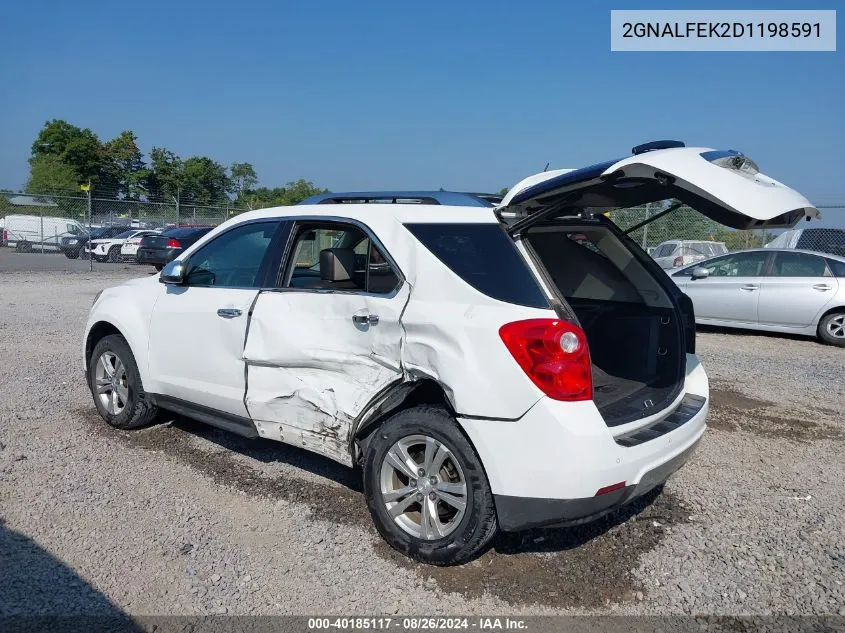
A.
x: 124, y: 235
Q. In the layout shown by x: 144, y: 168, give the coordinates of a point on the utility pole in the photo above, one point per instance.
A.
x: 87, y: 189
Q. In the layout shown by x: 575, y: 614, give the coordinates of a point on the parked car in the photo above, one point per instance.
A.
x: 774, y: 290
x: 488, y: 367
x: 26, y: 233
x: 821, y: 240
x: 73, y: 245
x: 108, y: 249
x: 164, y: 247
x: 129, y: 249
x: 675, y: 253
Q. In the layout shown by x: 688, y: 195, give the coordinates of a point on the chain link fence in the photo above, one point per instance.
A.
x: 44, y: 223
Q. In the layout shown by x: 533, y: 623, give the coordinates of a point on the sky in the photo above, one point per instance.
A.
x: 367, y: 95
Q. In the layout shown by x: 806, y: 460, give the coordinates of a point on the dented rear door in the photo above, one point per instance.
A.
x: 316, y: 358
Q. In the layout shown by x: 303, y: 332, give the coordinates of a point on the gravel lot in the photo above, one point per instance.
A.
x: 183, y: 519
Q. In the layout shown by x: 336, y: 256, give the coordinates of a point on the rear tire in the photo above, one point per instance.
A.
x: 115, y: 384
x: 114, y: 254
x: 418, y: 512
x: 832, y: 329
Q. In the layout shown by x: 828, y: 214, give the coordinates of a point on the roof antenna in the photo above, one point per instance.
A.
x: 546, y: 168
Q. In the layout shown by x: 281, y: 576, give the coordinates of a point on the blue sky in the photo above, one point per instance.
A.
x: 363, y: 95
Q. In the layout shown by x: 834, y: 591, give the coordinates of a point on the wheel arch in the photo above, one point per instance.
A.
x: 829, y: 311
x: 395, y: 398
x: 104, y: 327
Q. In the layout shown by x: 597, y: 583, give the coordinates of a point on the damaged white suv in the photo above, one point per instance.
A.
x: 490, y: 366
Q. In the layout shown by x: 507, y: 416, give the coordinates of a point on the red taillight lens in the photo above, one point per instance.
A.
x: 553, y: 354
x: 679, y: 261
x: 5, y: 235
x: 171, y: 243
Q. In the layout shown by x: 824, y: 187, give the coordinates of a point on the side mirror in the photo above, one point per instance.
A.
x: 700, y: 273
x: 173, y: 273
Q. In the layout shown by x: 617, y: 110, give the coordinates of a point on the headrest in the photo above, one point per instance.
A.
x: 337, y: 264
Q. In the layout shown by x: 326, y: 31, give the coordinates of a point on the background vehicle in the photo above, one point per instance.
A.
x: 73, y: 245
x: 108, y: 248
x: 675, y: 253
x: 821, y: 240
x: 490, y: 369
x: 776, y: 290
x: 26, y: 233
x: 163, y: 247
x: 129, y: 249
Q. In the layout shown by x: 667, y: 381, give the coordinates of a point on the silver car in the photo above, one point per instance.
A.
x: 776, y: 290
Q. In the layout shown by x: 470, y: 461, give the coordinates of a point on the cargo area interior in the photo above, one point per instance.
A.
x: 633, y: 329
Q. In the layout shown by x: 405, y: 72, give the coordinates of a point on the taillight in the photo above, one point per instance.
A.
x: 5, y: 235
x: 171, y: 243
x: 679, y: 261
x: 554, y: 355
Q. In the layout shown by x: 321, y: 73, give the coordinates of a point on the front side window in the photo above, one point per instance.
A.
x: 234, y: 259
x: 798, y: 265
x: 73, y: 229
x: 737, y: 265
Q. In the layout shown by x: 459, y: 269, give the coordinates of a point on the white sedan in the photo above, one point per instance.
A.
x: 129, y: 250
x: 110, y: 249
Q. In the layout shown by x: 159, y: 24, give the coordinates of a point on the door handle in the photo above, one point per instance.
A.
x: 749, y: 287
x: 229, y: 313
x: 365, y: 319
x: 821, y: 287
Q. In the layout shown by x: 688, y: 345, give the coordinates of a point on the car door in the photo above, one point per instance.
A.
x: 796, y: 290
x: 731, y: 291
x: 198, y: 328
x: 328, y: 340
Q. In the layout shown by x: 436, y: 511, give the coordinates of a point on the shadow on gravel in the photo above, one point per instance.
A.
x: 39, y: 592
x: 585, y: 566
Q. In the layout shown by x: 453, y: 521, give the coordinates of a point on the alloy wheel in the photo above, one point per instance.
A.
x: 111, y: 384
x: 423, y: 487
x: 836, y: 326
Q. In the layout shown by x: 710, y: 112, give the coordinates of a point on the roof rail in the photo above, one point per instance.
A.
x: 653, y: 145
x: 453, y: 198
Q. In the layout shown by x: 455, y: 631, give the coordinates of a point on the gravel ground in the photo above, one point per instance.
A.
x: 184, y: 519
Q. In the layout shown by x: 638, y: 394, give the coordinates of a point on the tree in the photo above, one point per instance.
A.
x: 78, y: 148
x: 123, y: 166
x: 206, y: 181
x: 166, y: 176
x: 290, y: 194
x: 50, y: 175
x: 242, y: 178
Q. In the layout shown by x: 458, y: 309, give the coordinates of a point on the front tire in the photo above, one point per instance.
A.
x: 71, y: 254
x: 426, y: 488
x: 832, y: 329
x: 115, y: 384
x: 114, y: 254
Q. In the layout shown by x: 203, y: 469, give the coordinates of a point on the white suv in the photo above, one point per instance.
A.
x: 489, y: 367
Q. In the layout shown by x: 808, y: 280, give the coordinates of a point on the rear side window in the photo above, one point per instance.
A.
x: 836, y: 267
x: 484, y: 257
x: 798, y: 265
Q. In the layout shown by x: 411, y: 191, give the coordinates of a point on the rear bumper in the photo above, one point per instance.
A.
x: 156, y: 255
x: 547, y: 467
x: 520, y: 513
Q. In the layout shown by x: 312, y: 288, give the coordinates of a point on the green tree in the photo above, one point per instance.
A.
x: 78, y: 148
x: 51, y: 175
x: 166, y: 177
x: 123, y: 166
x: 242, y: 177
x: 290, y: 194
x: 206, y: 181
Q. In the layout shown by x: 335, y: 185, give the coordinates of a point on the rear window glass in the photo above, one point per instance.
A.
x: 187, y: 232
x: 484, y: 257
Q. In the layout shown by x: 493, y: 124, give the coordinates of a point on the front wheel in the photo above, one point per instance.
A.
x: 832, y: 329
x: 426, y: 488
x: 115, y: 383
x: 114, y: 254
x: 71, y: 254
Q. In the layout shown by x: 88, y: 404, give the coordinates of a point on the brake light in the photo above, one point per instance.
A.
x: 554, y: 355
x: 679, y: 261
x: 171, y: 243
x: 5, y: 235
